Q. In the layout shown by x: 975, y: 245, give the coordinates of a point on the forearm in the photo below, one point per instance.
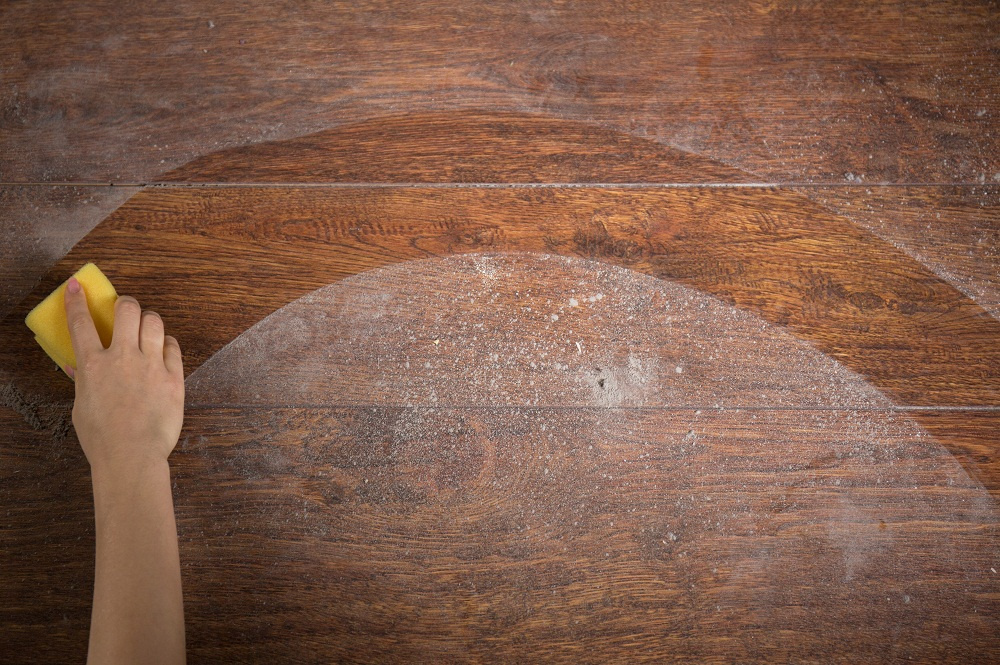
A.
x: 138, y: 611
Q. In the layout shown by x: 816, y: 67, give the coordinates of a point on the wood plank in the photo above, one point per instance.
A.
x: 954, y: 231
x: 958, y: 247
x: 876, y: 92
x: 516, y: 330
x: 216, y: 260
x: 713, y: 534
x: 46, y: 538
x: 416, y: 533
x: 643, y: 545
x: 337, y: 504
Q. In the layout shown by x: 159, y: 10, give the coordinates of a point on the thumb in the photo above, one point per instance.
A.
x: 81, y: 325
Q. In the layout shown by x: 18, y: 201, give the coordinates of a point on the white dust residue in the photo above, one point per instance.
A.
x: 522, y: 330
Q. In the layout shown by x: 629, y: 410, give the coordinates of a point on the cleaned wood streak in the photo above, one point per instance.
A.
x: 456, y: 147
x: 953, y: 231
x: 233, y: 255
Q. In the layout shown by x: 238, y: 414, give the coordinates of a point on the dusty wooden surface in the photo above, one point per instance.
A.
x: 38, y: 225
x: 876, y: 91
x: 773, y: 439
x: 264, y: 538
x: 437, y: 461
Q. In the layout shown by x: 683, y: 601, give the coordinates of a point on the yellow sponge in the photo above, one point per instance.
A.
x: 48, y: 319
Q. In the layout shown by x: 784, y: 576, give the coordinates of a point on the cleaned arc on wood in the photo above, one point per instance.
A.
x: 953, y: 231
x: 520, y: 330
x: 470, y: 146
x: 189, y: 252
x: 771, y: 251
x: 459, y: 147
x: 477, y: 146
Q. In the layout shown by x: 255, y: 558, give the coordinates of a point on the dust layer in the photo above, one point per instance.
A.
x: 522, y: 330
x: 37, y: 413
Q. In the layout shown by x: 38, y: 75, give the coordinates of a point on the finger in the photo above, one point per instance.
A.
x: 151, y: 333
x: 82, y: 331
x: 172, y: 357
x: 126, y: 330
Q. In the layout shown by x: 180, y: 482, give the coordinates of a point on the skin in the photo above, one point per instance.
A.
x: 128, y: 413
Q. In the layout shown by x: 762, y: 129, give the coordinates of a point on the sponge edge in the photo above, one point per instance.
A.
x: 48, y: 319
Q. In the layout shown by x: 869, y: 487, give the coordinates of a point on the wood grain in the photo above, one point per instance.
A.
x: 786, y: 91
x: 953, y: 231
x: 492, y: 330
x: 444, y: 471
x: 458, y: 146
x: 216, y: 260
x: 46, y: 540
x: 44, y: 222
x: 972, y: 437
x: 368, y: 534
x: 375, y: 532
x: 595, y: 535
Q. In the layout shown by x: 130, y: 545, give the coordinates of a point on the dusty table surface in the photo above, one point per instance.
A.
x: 524, y: 334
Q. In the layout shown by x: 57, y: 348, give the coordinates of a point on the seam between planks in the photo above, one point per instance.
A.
x: 512, y: 407
x: 506, y: 185
x: 569, y: 407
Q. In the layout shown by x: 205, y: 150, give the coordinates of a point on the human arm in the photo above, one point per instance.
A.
x: 128, y: 414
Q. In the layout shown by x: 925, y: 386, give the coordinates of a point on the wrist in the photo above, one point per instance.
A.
x: 128, y: 472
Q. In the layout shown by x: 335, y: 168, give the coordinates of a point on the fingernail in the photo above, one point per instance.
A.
x: 73, y: 285
x: 70, y: 371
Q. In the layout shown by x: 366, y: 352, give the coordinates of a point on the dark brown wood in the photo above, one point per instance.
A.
x: 42, y: 223
x: 433, y: 516
x: 973, y: 437
x: 421, y: 463
x: 521, y: 330
x: 216, y: 260
x: 871, y: 91
x: 367, y: 534
x: 458, y: 147
x: 601, y: 535
x: 46, y: 538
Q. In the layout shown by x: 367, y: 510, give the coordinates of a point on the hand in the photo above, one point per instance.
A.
x: 129, y: 405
